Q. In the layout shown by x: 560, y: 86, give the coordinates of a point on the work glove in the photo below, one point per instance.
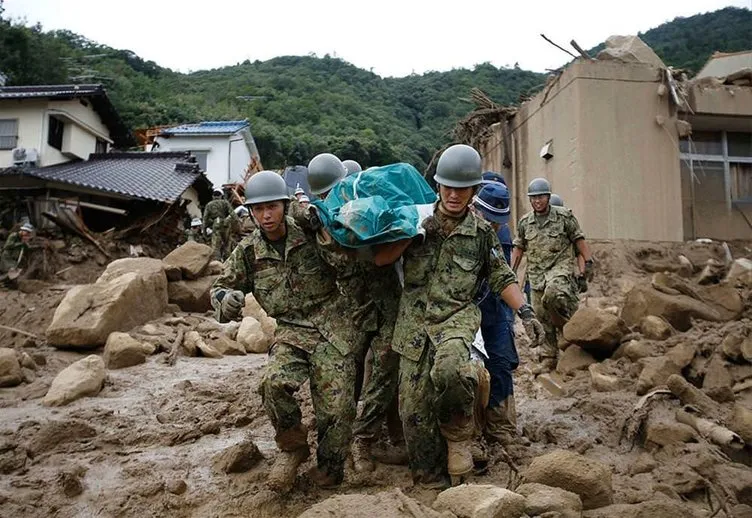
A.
x: 582, y: 285
x: 232, y: 304
x: 533, y: 328
x: 589, y: 270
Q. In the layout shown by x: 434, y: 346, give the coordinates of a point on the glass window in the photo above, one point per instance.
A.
x: 55, y: 133
x: 710, y: 183
x: 741, y: 182
x: 8, y: 133
x: 703, y: 143
x: 101, y: 146
x: 739, y: 144
x: 201, y: 158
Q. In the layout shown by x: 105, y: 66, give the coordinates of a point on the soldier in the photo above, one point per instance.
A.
x: 437, y: 320
x: 196, y: 232
x: 16, y: 246
x: 374, y: 293
x: 551, y: 236
x: 582, y: 283
x: 220, y: 218
x: 281, y: 266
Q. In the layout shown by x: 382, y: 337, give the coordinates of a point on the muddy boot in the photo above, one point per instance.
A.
x: 322, y: 479
x: 285, y: 469
x: 501, y: 422
x: 546, y: 365
x: 393, y: 454
x: 459, y: 460
x: 361, y: 454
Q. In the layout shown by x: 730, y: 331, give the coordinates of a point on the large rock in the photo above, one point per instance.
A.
x: 718, y: 381
x: 83, y: 378
x: 540, y: 499
x: 192, y: 258
x: 655, y: 328
x: 601, y: 380
x: 573, y: 359
x: 253, y: 309
x: 629, y: 49
x: 195, y: 344
x: 724, y: 299
x: 238, y: 458
x: 663, y: 508
x: 663, y: 431
x: 588, y: 478
x: 741, y: 422
x: 226, y: 345
x: 597, y: 331
x: 191, y: 296
x: 480, y: 501
x: 129, y: 293
x: 392, y: 504
x: 122, y: 350
x: 251, y: 335
x: 677, y: 310
x: 656, y: 371
x: 740, y: 273
x: 10, y: 368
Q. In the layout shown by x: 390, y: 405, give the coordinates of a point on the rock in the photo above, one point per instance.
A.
x: 192, y: 258
x: 540, y: 499
x: 176, y: 486
x: 718, y: 379
x: 665, y: 431
x: 12, y: 457
x: 391, y: 504
x: 712, y: 273
x: 686, y: 268
x: 740, y: 273
x: 191, y: 296
x: 82, y: 378
x: 480, y: 501
x: 598, y: 332
x: 677, y: 310
x: 253, y: 309
x: 659, y: 508
x: 655, y: 328
x: 629, y: 49
x: 682, y: 354
x: 746, y: 349
x: 10, y: 368
x: 588, y: 478
x: 645, y: 463
x: 173, y: 273
x: 238, y: 458
x: 655, y: 372
x: 27, y: 361
x: 129, y: 293
x: 724, y: 299
x: 215, y: 268
x: 573, y: 359
x: 70, y: 483
x: 122, y: 350
x: 225, y: 345
x: 602, y: 382
x: 194, y: 344
x: 741, y: 422
x: 553, y: 383
x: 251, y: 335
x: 172, y: 309
x: 635, y: 350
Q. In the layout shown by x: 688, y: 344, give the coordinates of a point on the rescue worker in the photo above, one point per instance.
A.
x: 220, y: 218
x: 352, y: 167
x: 582, y: 283
x: 16, y: 247
x: 437, y: 320
x: 497, y: 328
x: 196, y: 232
x: 374, y: 292
x: 281, y: 266
x: 245, y: 222
x: 550, y: 236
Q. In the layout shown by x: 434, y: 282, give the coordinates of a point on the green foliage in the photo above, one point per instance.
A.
x: 303, y: 105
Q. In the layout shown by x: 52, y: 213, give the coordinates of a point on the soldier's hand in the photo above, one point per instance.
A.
x: 533, y: 328
x: 232, y: 304
x: 582, y: 285
x: 589, y: 270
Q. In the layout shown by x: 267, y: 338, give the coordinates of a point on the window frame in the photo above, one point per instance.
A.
x: 15, y: 142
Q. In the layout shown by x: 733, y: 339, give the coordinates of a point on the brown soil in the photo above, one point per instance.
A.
x: 128, y: 451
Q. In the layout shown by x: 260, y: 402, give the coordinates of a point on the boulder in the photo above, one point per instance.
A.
x: 122, y: 350
x: 588, y: 478
x: 659, y: 508
x: 666, y: 431
x: 740, y: 273
x: 226, y: 345
x: 718, y: 381
x: 645, y: 463
x: 215, y: 268
x: 601, y: 381
x: 392, y: 504
x: 573, y: 359
x: 82, y: 378
x: 597, y: 331
x: 192, y: 296
x: 540, y: 499
x: 238, y: 458
x: 194, y: 344
x: 192, y: 258
x: 724, y: 299
x: 129, y: 293
x: 480, y: 501
x: 253, y: 309
x: 741, y: 422
x: 655, y: 328
x: 655, y: 372
x: 677, y: 310
x: 10, y: 368
x: 251, y: 336
x: 629, y: 49
x: 635, y: 350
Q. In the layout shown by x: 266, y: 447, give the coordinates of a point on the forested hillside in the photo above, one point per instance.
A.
x: 302, y: 105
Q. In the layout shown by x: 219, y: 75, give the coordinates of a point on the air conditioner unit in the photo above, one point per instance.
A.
x: 24, y: 156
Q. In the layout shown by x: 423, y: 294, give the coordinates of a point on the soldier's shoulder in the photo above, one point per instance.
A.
x: 483, y: 225
x: 250, y: 240
x: 564, y: 212
x: 527, y: 218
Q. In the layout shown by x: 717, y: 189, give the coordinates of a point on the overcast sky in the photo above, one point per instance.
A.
x: 391, y: 37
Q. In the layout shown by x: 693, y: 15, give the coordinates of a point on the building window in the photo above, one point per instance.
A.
x: 741, y: 182
x: 55, y: 133
x: 101, y: 146
x: 8, y: 133
x: 201, y: 158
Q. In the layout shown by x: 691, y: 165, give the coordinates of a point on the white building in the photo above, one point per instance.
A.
x: 54, y: 124
x: 224, y: 149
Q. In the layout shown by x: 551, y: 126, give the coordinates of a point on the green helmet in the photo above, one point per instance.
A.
x: 459, y: 166
x: 265, y: 186
x: 538, y: 186
x: 352, y: 166
x: 556, y: 200
x: 324, y: 171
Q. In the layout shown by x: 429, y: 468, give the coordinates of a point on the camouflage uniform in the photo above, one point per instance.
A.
x: 219, y: 216
x: 14, y: 245
x: 548, y: 243
x: 313, y: 340
x: 435, y: 327
x: 194, y: 234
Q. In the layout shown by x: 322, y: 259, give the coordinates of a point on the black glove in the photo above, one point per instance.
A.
x: 582, y: 284
x: 232, y: 304
x: 589, y: 270
x: 533, y: 328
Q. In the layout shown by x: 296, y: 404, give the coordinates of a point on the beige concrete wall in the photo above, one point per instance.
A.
x: 29, y: 115
x: 721, y: 100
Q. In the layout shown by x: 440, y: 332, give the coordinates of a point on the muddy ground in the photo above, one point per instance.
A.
x: 147, y: 445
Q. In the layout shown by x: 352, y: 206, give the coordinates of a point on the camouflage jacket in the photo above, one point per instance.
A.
x: 298, y: 290
x: 216, y: 209
x: 12, y: 251
x: 548, y: 243
x: 442, y: 276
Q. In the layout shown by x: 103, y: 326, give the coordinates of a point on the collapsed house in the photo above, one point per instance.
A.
x: 634, y: 148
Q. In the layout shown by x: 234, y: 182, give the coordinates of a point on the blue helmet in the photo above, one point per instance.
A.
x: 493, y: 202
x: 490, y: 176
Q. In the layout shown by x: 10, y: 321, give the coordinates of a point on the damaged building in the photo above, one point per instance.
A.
x: 635, y: 149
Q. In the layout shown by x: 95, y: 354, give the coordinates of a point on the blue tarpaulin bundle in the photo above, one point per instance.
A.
x: 379, y: 205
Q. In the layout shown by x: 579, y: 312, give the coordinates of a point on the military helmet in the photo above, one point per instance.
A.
x: 459, y: 166
x: 324, y: 171
x: 493, y: 202
x: 352, y: 166
x: 490, y: 176
x: 538, y: 186
x: 195, y: 222
x: 265, y: 186
x: 556, y: 200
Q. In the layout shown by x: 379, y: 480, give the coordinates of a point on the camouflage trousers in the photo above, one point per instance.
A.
x: 381, y: 388
x: 554, y: 306
x: 221, y: 240
x: 332, y: 381
x: 437, y: 396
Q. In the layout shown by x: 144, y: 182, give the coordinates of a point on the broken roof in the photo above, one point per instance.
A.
x: 207, y: 128
x: 725, y: 64
x: 96, y: 93
x: 161, y: 177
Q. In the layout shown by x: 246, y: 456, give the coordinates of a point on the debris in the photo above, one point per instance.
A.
x: 393, y: 504
x: 655, y: 372
x: 540, y: 499
x: 574, y: 358
x: 252, y: 336
x: 176, y: 486
x: 553, y: 383
x: 191, y: 296
x: 659, y: 508
x: 636, y: 350
x: 712, y: 273
x: 602, y: 382
x: 83, y: 378
x: 477, y: 501
x: 717, y: 434
x: 596, y: 331
x: 665, y: 431
x: 740, y: 273
x: 238, y: 458
x: 676, y: 309
x: 689, y: 395
x: 741, y: 422
x: 226, y: 345
x: 655, y: 328
x: 70, y: 483
x: 629, y: 49
x: 19, y: 331
x: 718, y: 381
x: 122, y: 350
x: 194, y: 342
x: 10, y: 368
x: 192, y: 258
x: 645, y: 463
